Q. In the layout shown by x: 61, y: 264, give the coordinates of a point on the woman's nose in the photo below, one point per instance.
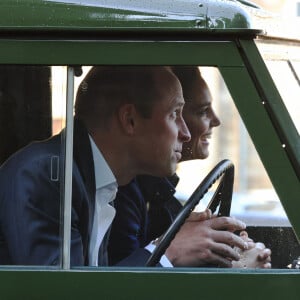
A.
x: 184, y: 132
x: 215, y: 121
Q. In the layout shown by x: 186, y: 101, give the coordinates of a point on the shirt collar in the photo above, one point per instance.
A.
x: 103, y: 174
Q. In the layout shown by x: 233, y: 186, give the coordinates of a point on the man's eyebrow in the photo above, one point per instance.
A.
x: 177, y: 102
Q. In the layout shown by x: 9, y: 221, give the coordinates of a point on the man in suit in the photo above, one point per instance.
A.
x: 128, y: 121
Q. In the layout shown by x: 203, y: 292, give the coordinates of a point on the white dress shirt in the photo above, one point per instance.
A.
x: 164, y: 261
x: 106, y: 190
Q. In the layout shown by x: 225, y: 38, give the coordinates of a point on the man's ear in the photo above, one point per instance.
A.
x: 127, y: 117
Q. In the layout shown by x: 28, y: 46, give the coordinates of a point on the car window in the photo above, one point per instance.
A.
x: 283, y: 63
x: 40, y: 105
x: 254, y: 200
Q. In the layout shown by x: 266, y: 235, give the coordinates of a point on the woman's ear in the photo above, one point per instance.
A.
x: 127, y: 117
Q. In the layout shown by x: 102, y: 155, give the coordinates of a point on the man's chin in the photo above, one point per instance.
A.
x: 168, y: 172
x: 165, y: 170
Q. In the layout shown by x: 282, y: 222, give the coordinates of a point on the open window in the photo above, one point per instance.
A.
x: 37, y: 113
x: 255, y: 200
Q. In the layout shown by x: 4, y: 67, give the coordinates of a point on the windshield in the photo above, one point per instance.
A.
x: 283, y: 62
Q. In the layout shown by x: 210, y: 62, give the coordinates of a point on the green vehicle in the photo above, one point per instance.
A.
x: 254, y: 75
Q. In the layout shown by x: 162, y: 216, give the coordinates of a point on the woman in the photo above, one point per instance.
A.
x: 147, y: 206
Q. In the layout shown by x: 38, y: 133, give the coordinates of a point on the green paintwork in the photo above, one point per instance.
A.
x: 116, y: 52
x: 289, y: 137
x: 177, y: 283
x: 222, y: 27
x: 209, y: 284
x: 74, y: 15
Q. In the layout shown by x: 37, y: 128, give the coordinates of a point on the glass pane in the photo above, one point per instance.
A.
x: 283, y: 63
x: 32, y: 100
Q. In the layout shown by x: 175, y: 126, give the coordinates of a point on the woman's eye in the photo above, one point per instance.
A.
x: 202, y: 112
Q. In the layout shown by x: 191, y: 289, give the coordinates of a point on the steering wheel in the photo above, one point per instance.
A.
x: 224, y: 172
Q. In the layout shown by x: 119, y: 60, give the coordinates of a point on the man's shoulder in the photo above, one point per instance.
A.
x: 34, y: 153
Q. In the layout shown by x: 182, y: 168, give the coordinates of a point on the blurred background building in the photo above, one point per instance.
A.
x: 284, y: 7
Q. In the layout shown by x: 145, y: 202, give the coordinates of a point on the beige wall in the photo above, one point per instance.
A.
x: 271, y: 5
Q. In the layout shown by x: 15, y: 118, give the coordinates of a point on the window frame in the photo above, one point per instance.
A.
x: 240, y: 59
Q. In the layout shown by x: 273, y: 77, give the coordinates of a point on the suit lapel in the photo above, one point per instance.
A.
x: 83, y: 157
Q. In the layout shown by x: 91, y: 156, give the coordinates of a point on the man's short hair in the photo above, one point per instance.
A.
x: 105, y: 88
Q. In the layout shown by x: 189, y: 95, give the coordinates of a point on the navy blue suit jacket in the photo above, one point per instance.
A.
x: 145, y: 208
x: 31, y: 205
